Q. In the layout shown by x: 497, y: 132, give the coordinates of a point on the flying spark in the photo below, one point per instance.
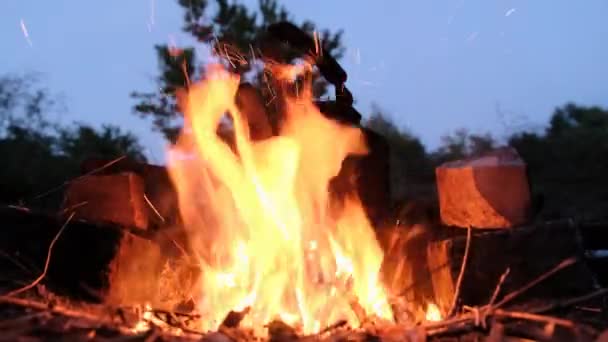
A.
x: 25, y: 33
x: 151, y: 20
x: 509, y: 12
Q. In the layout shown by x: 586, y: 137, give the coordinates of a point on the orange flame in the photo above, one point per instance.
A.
x: 259, y: 215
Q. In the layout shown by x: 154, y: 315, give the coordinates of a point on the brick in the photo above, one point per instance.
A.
x: 117, y: 198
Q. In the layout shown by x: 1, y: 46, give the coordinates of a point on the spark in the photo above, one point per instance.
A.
x: 367, y: 83
x: 357, y: 56
x: 151, y: 20
x: 25, y: 32
x: 509, y: 12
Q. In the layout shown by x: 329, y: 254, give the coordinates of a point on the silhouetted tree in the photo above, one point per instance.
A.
x: 234, y: 31
x: 574, y: 146
x: 82, y: 141
x: 409, y: 162
x: 462, y: 144
x: 37, y: 154
x: 569, y: 161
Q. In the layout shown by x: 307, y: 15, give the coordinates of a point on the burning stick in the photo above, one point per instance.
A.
x: 358, y: 310
x: 234, y: 318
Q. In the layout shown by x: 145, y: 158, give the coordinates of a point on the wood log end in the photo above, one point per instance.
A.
x: 484, y: 192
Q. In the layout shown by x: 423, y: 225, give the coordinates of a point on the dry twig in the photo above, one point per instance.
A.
x: 162, y: 219
x: 478, y: 315
x: 47, y: 262
x: 571, y: 301
x: 461, y: 274
x: 60, y: 186
x: 502, y: 279
x: 568, y: 262
x: 534, y: 317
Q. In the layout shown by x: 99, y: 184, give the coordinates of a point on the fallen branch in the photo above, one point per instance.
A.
x: 534, y: 317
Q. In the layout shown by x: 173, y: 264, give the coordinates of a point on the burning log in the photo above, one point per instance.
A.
x: 118, y: 199
x: 491, y: 191
x: 252, y: 105
x: 134, y: 272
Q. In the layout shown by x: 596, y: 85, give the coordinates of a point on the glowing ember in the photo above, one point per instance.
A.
x: 260, y: 214
x: 144, y: 323
x: 433, y: 314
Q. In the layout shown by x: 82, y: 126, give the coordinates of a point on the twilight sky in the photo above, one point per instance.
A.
x: 434, y: 66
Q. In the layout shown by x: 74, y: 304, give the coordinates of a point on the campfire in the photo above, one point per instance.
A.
x: 269, y: 236
x: 252, y: 232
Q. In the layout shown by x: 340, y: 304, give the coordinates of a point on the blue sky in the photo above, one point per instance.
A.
x: 433, y: 65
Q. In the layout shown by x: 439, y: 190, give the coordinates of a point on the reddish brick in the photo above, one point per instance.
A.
x: 117, y: 198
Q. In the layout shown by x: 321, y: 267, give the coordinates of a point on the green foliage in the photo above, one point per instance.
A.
x: 235, y: 32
